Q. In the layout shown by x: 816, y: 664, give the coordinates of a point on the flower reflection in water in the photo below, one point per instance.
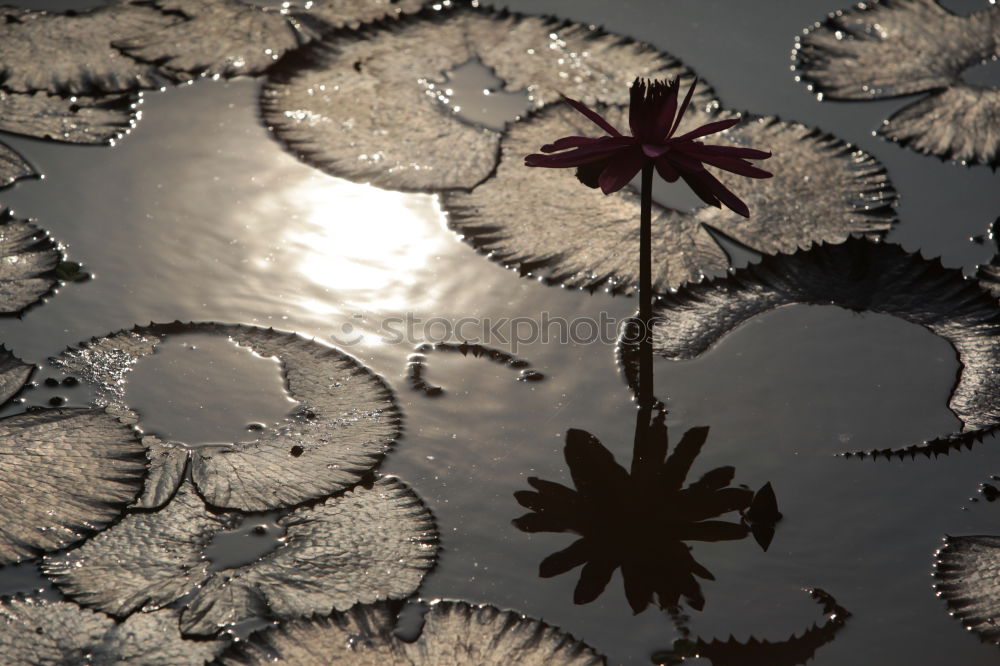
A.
x: 639, y: 520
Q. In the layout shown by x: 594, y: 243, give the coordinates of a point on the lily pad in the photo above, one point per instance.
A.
x: 61, y: 633
x: 27, y: 259
x: 14, y: 373
x: 542, y: 222
x: 66, y: 474
x: 324, y: 15
x: 858, y: 275
x: 967, y: 569
x: 454, y: 632
x: 71, y: 53
x: 345, y: 423
x: 794, y: 651
x: 362, y: 105
x: 367, y: 545
x: 88, y: 120
x: 887, y: 49
x: 217, y: 37
x: 13, y: 167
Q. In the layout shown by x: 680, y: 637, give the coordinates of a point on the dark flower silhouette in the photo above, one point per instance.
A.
x: 610, y: 162
x: 636, y: 520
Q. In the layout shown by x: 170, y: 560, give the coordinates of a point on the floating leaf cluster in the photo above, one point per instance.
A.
x: 901, y: 47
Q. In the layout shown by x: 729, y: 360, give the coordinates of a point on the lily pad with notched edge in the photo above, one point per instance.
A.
x: 13, y: 167
x: 236, y: 37
x: 858, y: 275
x: 27, y: 259
x: 544, y: 222
x: 363, y: 105
x: 88, y: 120
x: 71, y: 53
x: 216, y: 37
x: 14, y: 373
x: 346, y: 420
x: 66, y: 473
x: 367, y: 545
x: 454, y: 632
x: 887, y: 49
x: 967, y: 569
x: 63, y: 634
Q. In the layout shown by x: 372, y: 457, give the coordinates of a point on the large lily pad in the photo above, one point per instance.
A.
x: 367, y: 545
x: 967, y: 569
x: 63, y: 634
x: 886, y: 49
x: 858, y: 275
x: 27, y: 259
x: 71, y: 53
x: 454, y: 632
x: 362, y: 105
x: 66, y: 473
x: 217, y: 37
x: 543, y: 222
x: 237, y: 37
x: 89, y: 120
x: 344, y: 424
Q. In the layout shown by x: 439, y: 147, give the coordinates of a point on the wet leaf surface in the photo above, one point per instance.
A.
x: 71, y: 53
x: 367, y: 545
x: 13, y: 374
x: 344, y: 424
x: 967, y: 569
x: 62, y: 633
x: 362, y: 105
x: 862, y: 276
x: 13, y: 167
x: 216, y: 37
x: 87, y: 120
x: 66, y: 474
x: 454, y: 632
x: 887, y: 49
x: 543, y: 222
x: 324, y: 15
x: 27, y: 260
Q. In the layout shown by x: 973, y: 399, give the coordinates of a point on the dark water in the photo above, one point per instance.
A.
x: 199, y: 215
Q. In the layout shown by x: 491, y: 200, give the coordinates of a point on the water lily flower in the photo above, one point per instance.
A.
x: 611, y: 162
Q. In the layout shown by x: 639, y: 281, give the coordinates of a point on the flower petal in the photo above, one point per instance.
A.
x: 667, y: 171
x: 593, y: 116
x: 592, y: 152
x: 684, y: 106
x: 564, y: 560
x: 737, y: 166
x: 568, y: 142
x: 730, y: 200
x: 710, y: 128
x: 621, y: 170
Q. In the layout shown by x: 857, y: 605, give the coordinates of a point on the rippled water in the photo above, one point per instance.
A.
x: 199, y: 215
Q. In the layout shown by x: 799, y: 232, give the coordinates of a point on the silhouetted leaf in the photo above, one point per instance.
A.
x: 90, y: 120
x: 362, y: 105
x: 367, y: 545
x: 345, y: 423
x: 797, y: 650
x: 71, y: 53
x: 13, y: 167
x: 968, y: 572
x: 454, y: 632
x: 59, y: 632
x: 543, y: 222
x: 886, y: 49
x: 27, y: 260
x: 65, y: 474
x: 858, y: 275
x: 217, y: 37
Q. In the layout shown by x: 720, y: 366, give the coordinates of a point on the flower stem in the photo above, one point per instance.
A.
x: 646, y: 290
